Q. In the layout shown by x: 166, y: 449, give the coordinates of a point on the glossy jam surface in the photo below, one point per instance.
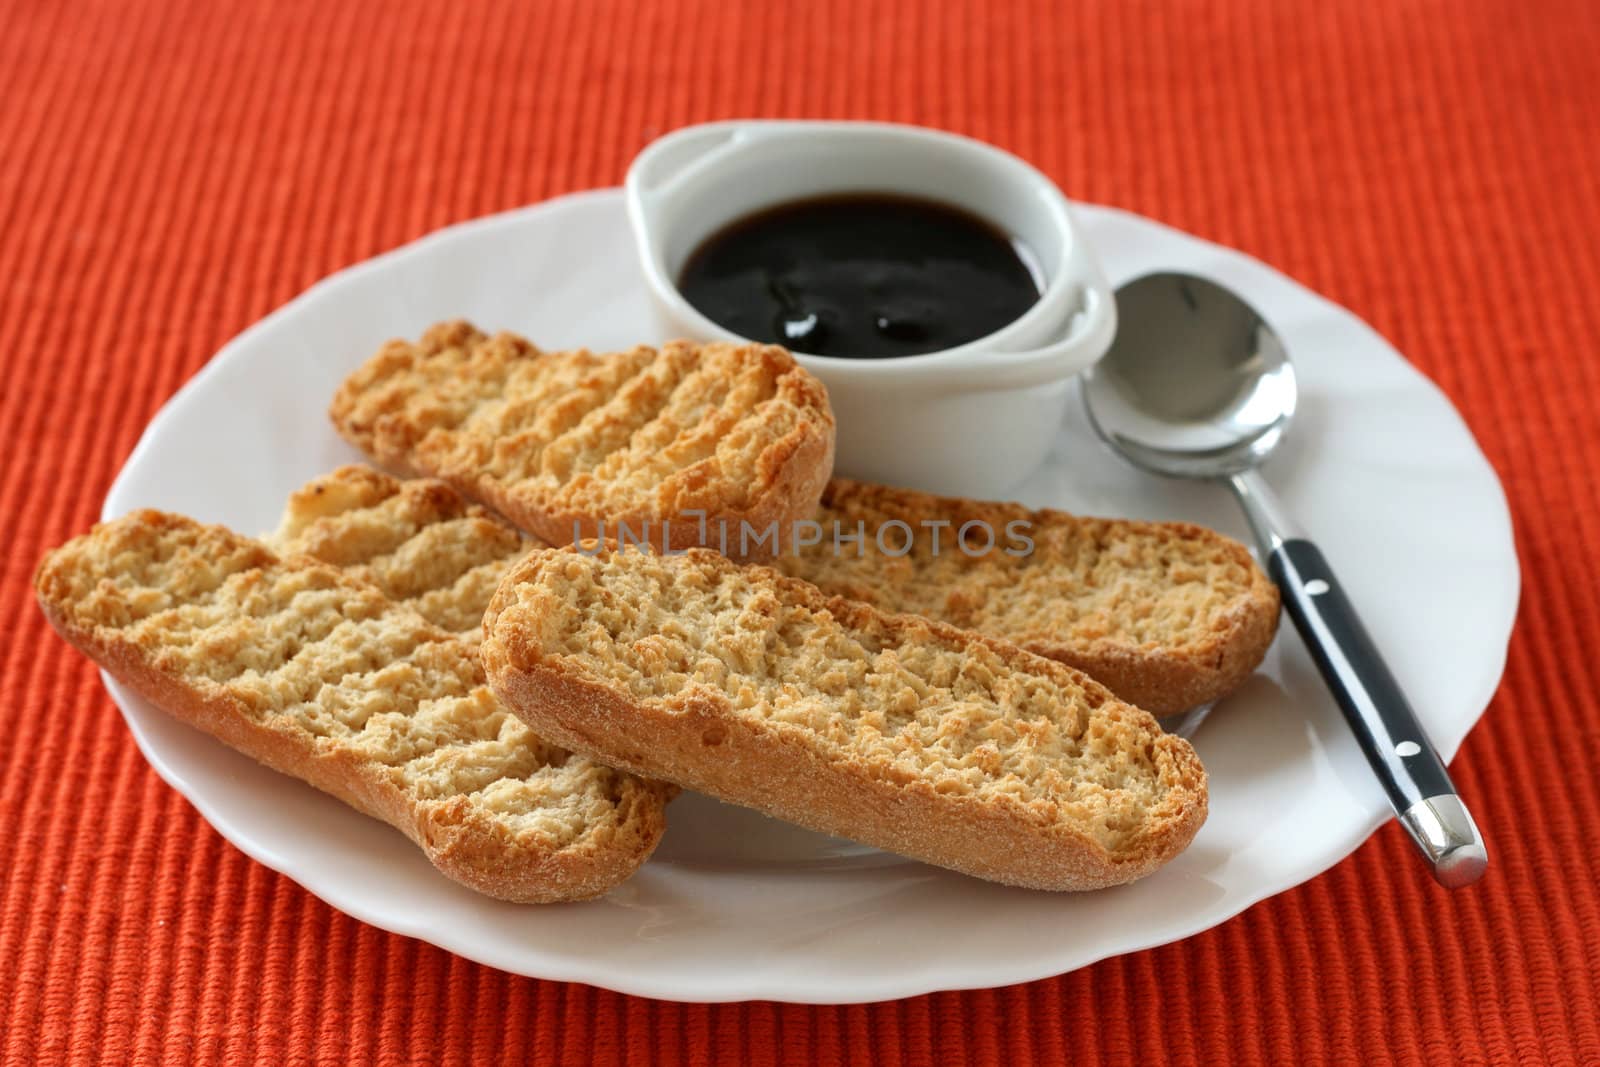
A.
x: 870, y: 276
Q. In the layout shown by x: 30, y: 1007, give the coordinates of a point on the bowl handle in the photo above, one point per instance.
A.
x: 1087, y: 336
x: 665, y: 159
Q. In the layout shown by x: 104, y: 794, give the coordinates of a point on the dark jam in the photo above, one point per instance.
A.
x: 867, y: 276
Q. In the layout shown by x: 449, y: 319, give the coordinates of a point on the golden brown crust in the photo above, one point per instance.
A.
x: 893, y: 730
x: 560, y: 442
x: 364, y: 700
x: 1166, y: 615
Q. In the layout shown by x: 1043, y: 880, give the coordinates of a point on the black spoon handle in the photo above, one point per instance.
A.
x: 1405, y: 762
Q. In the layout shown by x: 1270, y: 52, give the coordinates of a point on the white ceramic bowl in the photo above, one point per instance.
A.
x: 970, y: 420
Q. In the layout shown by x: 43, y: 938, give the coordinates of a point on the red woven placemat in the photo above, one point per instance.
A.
x: 171, y: 171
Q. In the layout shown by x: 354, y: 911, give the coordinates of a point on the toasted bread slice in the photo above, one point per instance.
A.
x: 321, y: 676
x: 892, y: 730
x: 1166, y: 615
x: 685, y: 443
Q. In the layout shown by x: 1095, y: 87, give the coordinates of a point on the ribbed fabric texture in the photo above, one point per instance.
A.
x: 171, y: 171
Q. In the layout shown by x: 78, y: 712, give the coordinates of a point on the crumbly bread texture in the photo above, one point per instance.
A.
x: 1166, y: 615
x: 321, y: 676
x: 416, y: 539
x: 560, y: 442
x: 893, y: 730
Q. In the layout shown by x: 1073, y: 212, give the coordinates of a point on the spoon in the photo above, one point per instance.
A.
x: 1197, y: 385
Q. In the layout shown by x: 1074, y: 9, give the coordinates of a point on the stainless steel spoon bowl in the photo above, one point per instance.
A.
x: 1197, y: 385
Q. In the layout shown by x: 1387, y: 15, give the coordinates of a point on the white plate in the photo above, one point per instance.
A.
x: 735, y: 906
